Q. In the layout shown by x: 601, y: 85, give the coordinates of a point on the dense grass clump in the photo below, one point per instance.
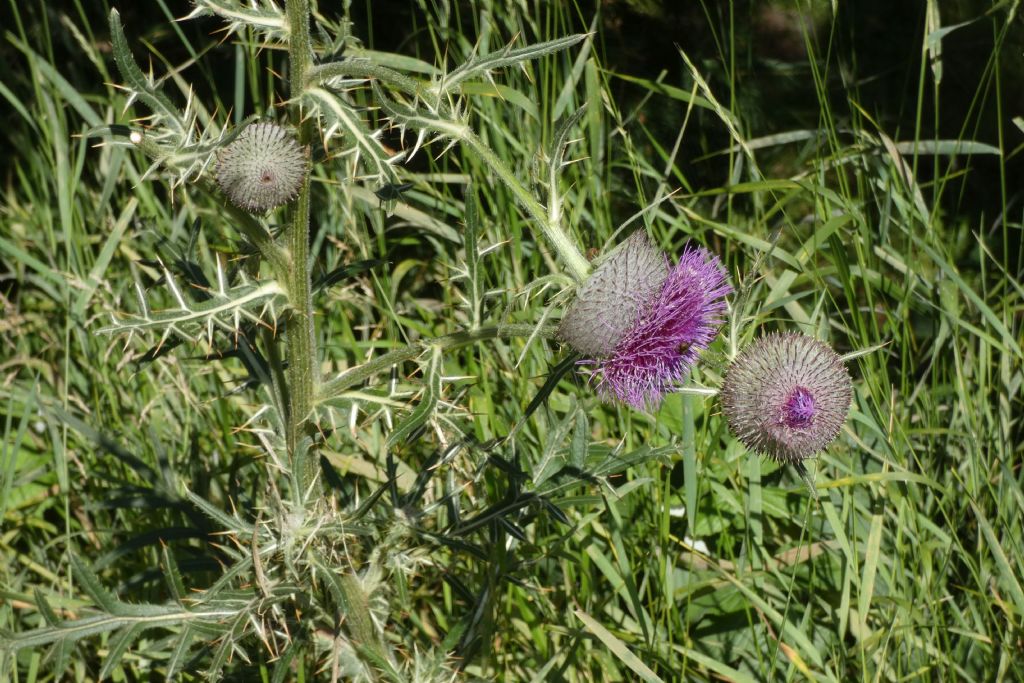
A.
x: 342, y: 418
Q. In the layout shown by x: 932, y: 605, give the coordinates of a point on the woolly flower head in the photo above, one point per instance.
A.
x: 787, y: 396
x: 642, y: 322
x: 263, y: 168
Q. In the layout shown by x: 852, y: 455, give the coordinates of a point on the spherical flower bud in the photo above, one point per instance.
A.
x: 786, y: 396
x: 642, y: 323
x: 263, y: 168
x: 612, y: 298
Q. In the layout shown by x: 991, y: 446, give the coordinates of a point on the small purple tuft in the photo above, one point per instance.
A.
x: 798, y: 410
x: 659, y: 349
x: 786, y: 396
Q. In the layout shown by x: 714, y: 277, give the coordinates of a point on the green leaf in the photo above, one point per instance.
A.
x: 502, y: 92
x: 342, y: 119
x: 226, y: 521
x: 89, y: 582
x: 474, y: 286
x: 428, y: 401
x: 117, y: 646
x: 103, y: 260
x: 579, y: 448
x: 283, y: 666
x: 226, y: 646
x: 617, y: 647
x: 225, y: 309
x: 60, y: 655
x: 181, y: 649
x: 553, y: 457
x: 172, y: 574
x: 43, y: 605
x: 265, y: 17
x: 402, y: 115
x: 946, y: 147
x: 1008, y: 576
x: 482, y: 64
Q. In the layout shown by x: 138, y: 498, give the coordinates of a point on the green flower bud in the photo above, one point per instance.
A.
x: 263, y: 168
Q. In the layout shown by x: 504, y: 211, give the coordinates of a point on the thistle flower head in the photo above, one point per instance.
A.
x: 263, y: 168
x: 786, y: 396
x: 644, y: 337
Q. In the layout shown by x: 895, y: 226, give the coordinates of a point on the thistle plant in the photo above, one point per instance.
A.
x: 311, y: 583
x: 305, y: 376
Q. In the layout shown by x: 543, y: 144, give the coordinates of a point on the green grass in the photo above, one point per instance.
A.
x: 680, y: 555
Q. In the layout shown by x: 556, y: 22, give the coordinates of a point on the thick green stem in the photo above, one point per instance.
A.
x: 262, y: 240
x: 361, y: 373
x: 303, y: 367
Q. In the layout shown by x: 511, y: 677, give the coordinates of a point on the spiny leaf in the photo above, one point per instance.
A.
x: 283, y: 665
x: 339, y: 115
x: 172, y: 574
x: 90, y: 583
x: 43, y: 605
x: 150, y: 616
x: 553, y: 457
x: 482, y: 64
x: 140, y: 86
x: 404, y: 116
x: 225, y: 309
x: 181, y: 650
x: 554, y: 377
x: 227, y: 522
x: 60, y: 654
x: 266, y: 17
x: 226, y: 646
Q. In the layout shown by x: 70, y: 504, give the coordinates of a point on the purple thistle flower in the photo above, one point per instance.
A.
x: 646, y: 340
x: 786, y: 396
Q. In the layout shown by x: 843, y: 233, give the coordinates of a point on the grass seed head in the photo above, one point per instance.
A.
x: 263, y: 168
x: 786, y: 396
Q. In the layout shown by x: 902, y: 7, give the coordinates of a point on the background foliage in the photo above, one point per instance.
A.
x: 856, y: 165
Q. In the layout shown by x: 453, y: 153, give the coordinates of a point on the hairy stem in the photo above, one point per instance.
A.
x: 363, y: 68
x: 361, y: 373
x: 559, y: 240
x: 300, y: 340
